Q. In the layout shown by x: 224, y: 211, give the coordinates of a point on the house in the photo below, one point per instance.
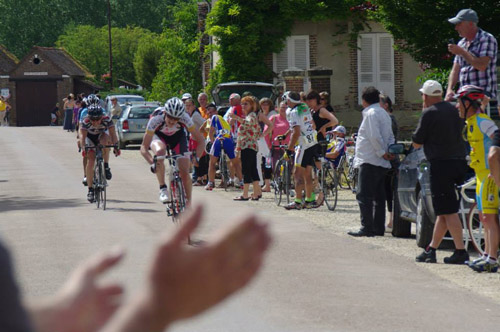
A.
x: 316, y: 57
x: 41, y: 79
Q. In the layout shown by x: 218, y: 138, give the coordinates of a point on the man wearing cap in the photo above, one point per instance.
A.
x: 439, y: 131
x: 475, y: 57
x: 186, y: 96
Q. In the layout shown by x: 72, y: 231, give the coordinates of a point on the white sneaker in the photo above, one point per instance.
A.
x: 163, y: 195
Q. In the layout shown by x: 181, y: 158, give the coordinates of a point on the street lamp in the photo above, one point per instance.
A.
x: 110, y: 49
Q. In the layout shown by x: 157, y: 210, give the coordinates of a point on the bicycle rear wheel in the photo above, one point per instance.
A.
x: 224, y: 174
x: 103, y: 185
x: 278, y: 182
x: 475, y: 228
x: 97, y: 187
x: 329, y: 186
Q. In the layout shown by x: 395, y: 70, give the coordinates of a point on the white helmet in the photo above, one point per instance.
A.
x: 174, y: 107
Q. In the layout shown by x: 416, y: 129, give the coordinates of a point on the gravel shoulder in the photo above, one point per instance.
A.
x: 346, y: 218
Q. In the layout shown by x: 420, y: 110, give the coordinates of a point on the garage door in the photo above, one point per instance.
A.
x: 34, y: 102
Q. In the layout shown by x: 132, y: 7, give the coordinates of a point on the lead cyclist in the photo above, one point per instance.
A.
x: 168, y: 126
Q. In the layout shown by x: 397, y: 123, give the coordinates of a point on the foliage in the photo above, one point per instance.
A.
x: 424, y: 26
x: 147, y: 58
x: 89, y: 45
x: 180, y: 67
x: 248, y: 31
x: 436, y: 74
x: 26, y: 23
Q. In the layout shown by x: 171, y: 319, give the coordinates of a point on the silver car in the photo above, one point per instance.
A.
x: 132, y: 123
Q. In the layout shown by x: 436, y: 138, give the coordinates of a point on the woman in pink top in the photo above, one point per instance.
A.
x: 281, y: 126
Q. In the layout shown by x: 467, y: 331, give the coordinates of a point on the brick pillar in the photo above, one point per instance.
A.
x: 293, y: 79
x: 320, y: 78
x: 205, y: 61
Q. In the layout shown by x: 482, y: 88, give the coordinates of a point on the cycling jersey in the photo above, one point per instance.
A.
x: 479, y: 129
x: 301, y: 116
x: 104, y: 124
x: 337, y: 145
x: 222, y: 128
x: 234, y: 127
x: 157, y: 124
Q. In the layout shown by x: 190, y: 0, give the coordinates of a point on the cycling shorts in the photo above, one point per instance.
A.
x: 92, y: 140
x: 486, y: 193
x: 307, y: 157
x: 227, y: 144
x: 178, y: 142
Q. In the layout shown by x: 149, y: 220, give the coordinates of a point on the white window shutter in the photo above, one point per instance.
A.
x: 300, y: 53
x: 366, y: 62
x: 294, y: 54
x: 281, y: 60
x: 386, y: 65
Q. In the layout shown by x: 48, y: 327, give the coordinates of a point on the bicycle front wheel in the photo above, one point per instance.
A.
x: 329, y: 187
x: 224, y: 174
x: 178, y: 203
x: 96, y: 185
x: 475, y: 228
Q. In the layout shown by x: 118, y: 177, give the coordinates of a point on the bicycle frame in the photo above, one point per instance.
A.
x: 99, y: 182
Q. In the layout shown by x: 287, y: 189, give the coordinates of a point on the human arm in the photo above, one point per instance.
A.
x: 269, y: 125
x: 452, y: 81
x: 479, y: 63
x: 82, y: 304
x: 333, y: 121
x: 184, y: 281
x: 199, y: 139
x: 146, y: 142
x: 294, y: 138
x: 373, y: 133
x: 82, y: 136
x: 419, y: 136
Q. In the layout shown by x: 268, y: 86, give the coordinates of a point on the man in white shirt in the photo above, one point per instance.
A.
x: 374, y: 136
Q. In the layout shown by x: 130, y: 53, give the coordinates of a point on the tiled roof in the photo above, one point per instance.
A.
x: 8, y: 61
x: 64, y: 60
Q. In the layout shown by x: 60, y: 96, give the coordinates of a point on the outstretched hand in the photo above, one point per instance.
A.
x: 184, y: 281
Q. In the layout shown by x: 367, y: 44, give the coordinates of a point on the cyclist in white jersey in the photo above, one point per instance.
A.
x: 169, y: 126
x: 303, y: 132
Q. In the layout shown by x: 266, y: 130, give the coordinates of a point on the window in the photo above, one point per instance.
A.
x: 295, y: 54
x: 376, y: 63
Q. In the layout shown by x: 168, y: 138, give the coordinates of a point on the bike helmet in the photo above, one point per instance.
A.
x: 95, y: 112
x: 471, y: 93
x: 92, y: 100
x: 174, y: 107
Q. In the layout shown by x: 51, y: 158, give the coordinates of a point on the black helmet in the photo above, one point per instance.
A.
x: 95, y: 112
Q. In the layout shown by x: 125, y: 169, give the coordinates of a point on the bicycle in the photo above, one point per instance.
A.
x: 328, y: 183
x: 281, y: 177
x: 223, y: 169
x: 100, y: 183
x: 473, y: 225
x: 177, y: 194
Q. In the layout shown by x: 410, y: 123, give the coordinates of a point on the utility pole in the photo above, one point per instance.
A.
x: 110, y: 48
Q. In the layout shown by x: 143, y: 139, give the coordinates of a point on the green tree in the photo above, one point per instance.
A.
x: 89, y: 45
x: 149, y: 52
x: 424, y: 26
x: 180, y: 68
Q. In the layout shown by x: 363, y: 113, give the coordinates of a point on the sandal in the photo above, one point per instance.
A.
x: 241, y: 198
x: 255, y: 198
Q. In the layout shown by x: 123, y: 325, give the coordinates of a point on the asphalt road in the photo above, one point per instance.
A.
x: 313, y: 280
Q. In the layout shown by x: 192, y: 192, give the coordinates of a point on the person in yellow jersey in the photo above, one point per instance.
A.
x: 3, y: 110
x: 480, y: 131
x: 220, y: 137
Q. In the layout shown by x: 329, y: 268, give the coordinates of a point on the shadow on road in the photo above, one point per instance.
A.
x: 36, y: 203
x: 120, y: 201
x: 131, y: 210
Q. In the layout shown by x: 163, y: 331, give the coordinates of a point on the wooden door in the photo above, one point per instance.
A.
x: 34, y: 102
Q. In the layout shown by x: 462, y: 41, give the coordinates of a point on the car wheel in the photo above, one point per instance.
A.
x: 400, y: 227
x: 121, y: 144
x: 425, y: 227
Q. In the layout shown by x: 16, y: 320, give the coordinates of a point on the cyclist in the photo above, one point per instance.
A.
x: 220, y: 136
x: 82, y: 113
x: 94, y: 128
x: 480, y: 132
x: 336, y: 148
x: 303, y: 132
x: 168, y: 127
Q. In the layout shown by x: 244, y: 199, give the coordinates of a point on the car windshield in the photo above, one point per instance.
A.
x: 124, y: 100
x: 141, y: 112
x: 257, y: 91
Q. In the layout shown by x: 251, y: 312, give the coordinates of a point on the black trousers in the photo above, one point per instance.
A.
x: 371, y: 198
x: 249, y: 166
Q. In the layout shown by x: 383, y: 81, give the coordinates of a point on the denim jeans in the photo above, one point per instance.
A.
x: 371, y: 198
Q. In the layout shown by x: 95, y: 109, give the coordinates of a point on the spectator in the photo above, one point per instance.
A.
x: 235, y: 109
x: 69, y: 104
x: 203, y: 101
x: 198, y: 121
x: 264, y: 155
x: 247, y: 146
x: 391, y: 178
x: 325, y: 101
x: 173, y: 289
x: 116, y: 109
x: 475, y: 58
x: 323, y: 120
x: 372, y: 159
x: 186, y: 96
x: 3, y: 110
x: 439, y: 131
x: 8, y: 108
x: 281, y: 126
x: 54, y: 115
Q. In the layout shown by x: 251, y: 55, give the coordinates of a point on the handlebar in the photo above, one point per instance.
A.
x: 465, y: 186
